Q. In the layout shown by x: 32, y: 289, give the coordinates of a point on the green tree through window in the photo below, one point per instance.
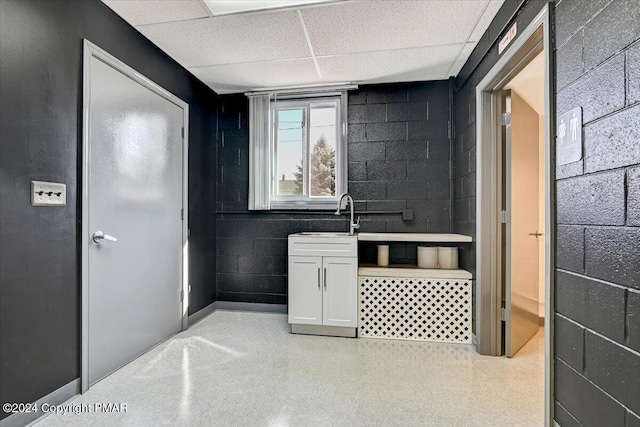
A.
x: 322, y: 180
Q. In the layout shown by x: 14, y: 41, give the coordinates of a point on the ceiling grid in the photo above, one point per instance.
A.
x: 340, y: 41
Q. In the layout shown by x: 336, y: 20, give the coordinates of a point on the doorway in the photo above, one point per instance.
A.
x: 523, y: 185
x: 134, y: 226
x: 494, y: 253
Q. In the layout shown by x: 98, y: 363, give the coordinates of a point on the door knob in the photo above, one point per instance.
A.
x: 98, y: 236
x: 537, y: 234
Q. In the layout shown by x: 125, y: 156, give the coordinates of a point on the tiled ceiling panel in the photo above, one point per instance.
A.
x: 141, y: 12
x: 349, y: 41
x: 379, y: 25
x: 485, y: 20
x: 416, y: 64
x: 231, y: 39
x: 232, y: 78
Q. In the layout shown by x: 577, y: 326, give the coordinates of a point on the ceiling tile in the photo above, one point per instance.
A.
x: 231, y: 39
x: 379, y: 25
x: 427, y: 63
x: 485, y: 20
x: 141, y: 12
x: 233, y: 78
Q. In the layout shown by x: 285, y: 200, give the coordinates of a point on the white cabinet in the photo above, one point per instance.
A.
x: 340, y: 292
x: 305, y: 290
x: 323, y: 285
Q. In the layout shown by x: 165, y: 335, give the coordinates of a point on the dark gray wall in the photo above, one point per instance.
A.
x: 597, y: 299
x: 482, y: 59
x: 598, y: 215
x: 40, y: 119
x: 398, y: 159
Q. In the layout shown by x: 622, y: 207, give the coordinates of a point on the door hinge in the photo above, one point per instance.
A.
x: 503, y: 314
x: 505, y: 119
x: 182, y: 214
x: 504, y: 217
x: 182, y: 132
x: 182, y: 295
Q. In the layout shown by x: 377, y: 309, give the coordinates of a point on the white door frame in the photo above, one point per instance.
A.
x: 488, y: 255
x: 90, y: 50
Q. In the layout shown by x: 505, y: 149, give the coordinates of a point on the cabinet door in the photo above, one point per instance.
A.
x: 340, y: 277
x: 305, y: 290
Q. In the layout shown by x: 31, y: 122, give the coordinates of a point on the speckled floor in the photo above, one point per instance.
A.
x: 246, y: 369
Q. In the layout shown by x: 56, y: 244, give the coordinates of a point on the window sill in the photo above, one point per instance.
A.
x: 305, y: 206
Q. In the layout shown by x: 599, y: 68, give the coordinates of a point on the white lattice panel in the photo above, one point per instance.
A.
x: 415, y: 309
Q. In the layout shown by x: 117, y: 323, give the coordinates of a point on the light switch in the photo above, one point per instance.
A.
x: 48, y: 193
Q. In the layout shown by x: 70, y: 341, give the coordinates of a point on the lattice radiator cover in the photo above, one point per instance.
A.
x: 415, y: 309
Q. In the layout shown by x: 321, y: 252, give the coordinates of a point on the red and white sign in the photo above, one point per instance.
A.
x: 508, y: 38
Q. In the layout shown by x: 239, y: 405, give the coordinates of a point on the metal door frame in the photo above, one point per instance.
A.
x: 535, y: 37
x: 90, y: 51
x: 505, y: 177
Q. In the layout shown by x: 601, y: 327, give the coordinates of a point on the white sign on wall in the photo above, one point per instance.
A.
x: 508, y: 38
x: 569, y: 137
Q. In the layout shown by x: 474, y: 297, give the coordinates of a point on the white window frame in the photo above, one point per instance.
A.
x: 263, y: 180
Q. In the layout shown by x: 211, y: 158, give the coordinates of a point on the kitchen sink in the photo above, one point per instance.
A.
x: 323, y: 233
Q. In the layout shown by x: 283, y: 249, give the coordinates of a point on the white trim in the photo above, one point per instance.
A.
x: 56, y: 397
x: 91, y: 50
x: 489, y: 296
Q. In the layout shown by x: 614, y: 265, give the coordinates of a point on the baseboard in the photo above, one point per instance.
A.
x: 331, y: 331
x: 56, y: 397
x: 251, y: 306
x: 202, y: 313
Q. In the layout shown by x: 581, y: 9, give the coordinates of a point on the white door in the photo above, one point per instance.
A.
x: 134, y: 192
x: 522, y: 198
x: 305, y: 290
x: 340, y: 304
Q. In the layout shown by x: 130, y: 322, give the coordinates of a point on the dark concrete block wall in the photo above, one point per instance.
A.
x: 398, y: 152
x: 597, y: 321
x: 597, y: 300
x: 40, y: 139
x: 482, y: 59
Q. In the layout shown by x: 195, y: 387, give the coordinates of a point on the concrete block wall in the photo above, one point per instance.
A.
x: 597, y: 299
x: 398, y: 152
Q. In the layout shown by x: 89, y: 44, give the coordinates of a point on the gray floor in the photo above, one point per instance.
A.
x: 246, y: 369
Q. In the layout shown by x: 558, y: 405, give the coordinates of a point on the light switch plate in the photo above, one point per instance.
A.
x: 48, y: 193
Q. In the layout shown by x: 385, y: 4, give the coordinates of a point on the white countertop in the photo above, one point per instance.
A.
x: 407, y: 271
x: 414, y: 237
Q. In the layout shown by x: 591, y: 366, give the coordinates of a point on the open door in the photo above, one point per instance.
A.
x: 520, y: 218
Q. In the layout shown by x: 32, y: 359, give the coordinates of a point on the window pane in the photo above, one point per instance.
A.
x: 322, y: 145
x: 290, y: 152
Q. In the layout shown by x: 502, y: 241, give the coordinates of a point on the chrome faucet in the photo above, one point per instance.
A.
x: 353, y: 226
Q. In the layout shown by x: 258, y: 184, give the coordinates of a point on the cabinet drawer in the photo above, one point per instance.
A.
x: 344, y: 246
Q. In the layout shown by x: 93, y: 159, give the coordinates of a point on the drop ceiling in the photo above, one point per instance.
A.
x: 348, y: 41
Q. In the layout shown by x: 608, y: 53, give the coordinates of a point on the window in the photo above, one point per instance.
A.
x: 299, y: 162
